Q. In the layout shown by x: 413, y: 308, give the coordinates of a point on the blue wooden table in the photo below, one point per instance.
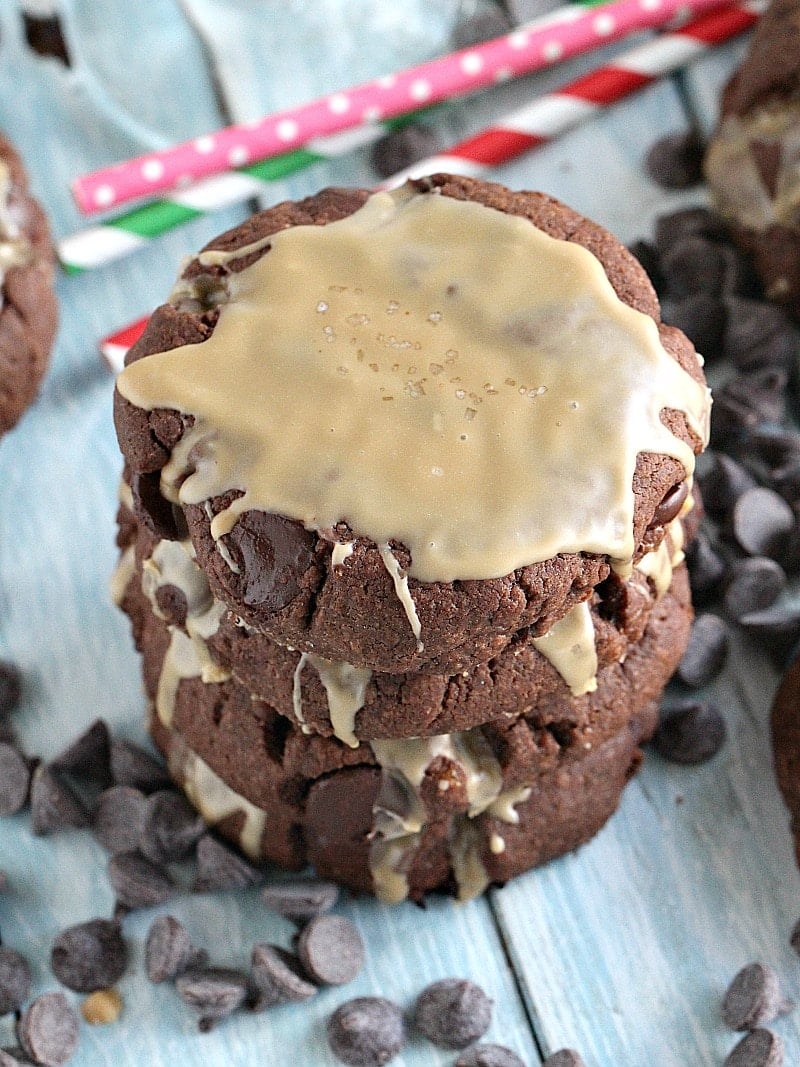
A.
x: 622, y: 950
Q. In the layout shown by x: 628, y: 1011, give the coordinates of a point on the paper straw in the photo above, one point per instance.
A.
x: 114, y: 238
x: 555, y: 113
x: 570, y: 31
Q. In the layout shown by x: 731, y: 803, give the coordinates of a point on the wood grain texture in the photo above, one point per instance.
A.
x: 622, y: 950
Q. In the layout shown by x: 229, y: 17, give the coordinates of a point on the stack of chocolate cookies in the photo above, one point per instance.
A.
x: 407, y: 483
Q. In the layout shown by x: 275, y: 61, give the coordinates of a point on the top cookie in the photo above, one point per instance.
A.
x: 422, y: 421
x: 28, y: 311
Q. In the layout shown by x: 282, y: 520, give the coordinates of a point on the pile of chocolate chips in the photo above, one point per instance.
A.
x: 748, y: 546
x: 123, y: 795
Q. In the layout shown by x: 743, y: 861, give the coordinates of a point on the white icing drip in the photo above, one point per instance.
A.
x: 504, y: 806
x: 497, y: 845
x: 181, y: 661
x: 125, y: 494
x: 346, y: 688
x: 15, y: 249
x: 123, y: 572
x: 172, y: 563
x: 220, y: 545
x: 465, y: 857
x: 341, y: 551
x: 297, y: 693
x: 659, y: 564
x: 396, y: 835
x: 217, y: 801
x: 400, y: 579
x: 569, y: 645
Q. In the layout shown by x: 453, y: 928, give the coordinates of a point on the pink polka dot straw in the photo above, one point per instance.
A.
x: 565, y: 33
x: 550, y: 115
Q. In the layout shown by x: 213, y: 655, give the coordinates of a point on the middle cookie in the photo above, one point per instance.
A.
x: 355, y: 704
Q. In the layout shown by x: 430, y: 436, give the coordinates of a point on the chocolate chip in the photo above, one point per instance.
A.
x: 89, y: 956
x: 762, y: 522
x: 15, y: 779
x: 366, y: 1031
x: 260, y: 536
x: 489, y: 1056
x: 758, y: 335
x: 118, y: 818
x: 707, y: 569
x: 747, y: 401
x: 15, y: 980
x: 156, y: 513
x: 400, y: 148
x: 759, y: 1048
x: 453, y: 1012
x: 331, y: 950
x: 14, y: 1057
x: 754, y: 584
x: 794, y: 937
x: 777, y: 627
x: 706, y: 652
x: 690, y: 732
x: 671, y: 504
x: 300, y: 900
x: 10, y: 687
x: 650, y: 258
x: 213, y: 992
x: 565, y: 1057
x: 88, y: 756
x: 722, y: 481
x: 753, y: 997
x: 131, y: 765
x: 171, y: 828
x: 48, y: 1030
x: 168, y: 950
x: 693, y: 264
x: 774, y: 455
x: 54, y: 804
x: 701, y: 316
x: 137, y: 882
x: 43, y: 34
x: 219, y: 867
x: 479, y: 28
x: 675, y: 161
x: 687, y: 222
x: 277, y: 977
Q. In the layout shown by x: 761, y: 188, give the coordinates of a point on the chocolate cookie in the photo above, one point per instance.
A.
x: 752, y: 160
x: 786, y: 745
x: 28, y: 313
x: 530, y: 675
x: 422, y: 549
x: 404, y: 817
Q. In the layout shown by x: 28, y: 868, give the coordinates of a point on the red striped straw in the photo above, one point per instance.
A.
x: 567, y: 32
x: 554, y: 113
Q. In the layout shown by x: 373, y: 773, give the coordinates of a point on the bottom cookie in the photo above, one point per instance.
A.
x: 359, y: 827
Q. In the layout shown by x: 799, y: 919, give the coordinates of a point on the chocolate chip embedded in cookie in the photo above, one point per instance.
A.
x: 751, y: 161
x: 28, y: 311
x: 402, y: 427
